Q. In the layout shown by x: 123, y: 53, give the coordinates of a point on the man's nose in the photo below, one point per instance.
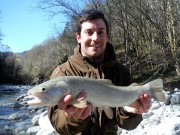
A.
x: 94, y: 36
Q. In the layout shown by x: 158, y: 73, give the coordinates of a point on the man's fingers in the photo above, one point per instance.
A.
x: 136, y: 104
x: 87, y: 112
x: 64, y: 102
x: 142, y: 105
x: 78, y: 114
x: 146, y: 103
x: 71, y: 110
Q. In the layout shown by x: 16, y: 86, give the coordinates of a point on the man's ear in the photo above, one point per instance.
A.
x: 78, y: 38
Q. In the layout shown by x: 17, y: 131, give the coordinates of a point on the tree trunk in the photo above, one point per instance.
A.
x: 177, y: 68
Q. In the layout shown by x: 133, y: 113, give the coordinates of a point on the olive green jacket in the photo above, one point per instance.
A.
x: 77, y: 65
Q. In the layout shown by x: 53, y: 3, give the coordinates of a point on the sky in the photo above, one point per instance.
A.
x: 24, y: 27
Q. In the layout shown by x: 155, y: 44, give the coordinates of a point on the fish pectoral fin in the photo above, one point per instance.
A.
x: 109, y: 112
x: 79, y: 102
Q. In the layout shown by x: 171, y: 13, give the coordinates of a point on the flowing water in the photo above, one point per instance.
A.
x: 8, y: 95
x: 7, y: 98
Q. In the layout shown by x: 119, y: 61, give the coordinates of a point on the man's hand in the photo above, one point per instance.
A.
x: 141, y: 105
x: 71, y: 111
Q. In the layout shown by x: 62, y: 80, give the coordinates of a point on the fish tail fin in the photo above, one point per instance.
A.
x: 156, y: 87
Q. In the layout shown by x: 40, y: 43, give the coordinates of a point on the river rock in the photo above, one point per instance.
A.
x: 17, y: 105
x: 41, y: 110
x: 6, y: 132
x: 168, y: 97
x: 46, y: 132
x: 45, y: 123
x: 33, y: 130
x: 27, y: 98
x: 21, y: 97
x: 170, y: 126
x: 175, y: 99
x: 147, y: 115
x: 17, y: 116
x: 35, y: 120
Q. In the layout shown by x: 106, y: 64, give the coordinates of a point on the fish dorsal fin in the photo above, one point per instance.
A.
x: 106, y: 81
x: 134, y: 84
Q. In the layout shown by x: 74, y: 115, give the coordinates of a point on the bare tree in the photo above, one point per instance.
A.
x: 59, y: 7
x: 145, y: 34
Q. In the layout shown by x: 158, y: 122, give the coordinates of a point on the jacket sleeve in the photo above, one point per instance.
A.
x: 63, y: 124
x: 128, y: 122
x: 66, y: 125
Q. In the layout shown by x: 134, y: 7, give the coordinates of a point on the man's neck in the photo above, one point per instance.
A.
x: 98, y: 60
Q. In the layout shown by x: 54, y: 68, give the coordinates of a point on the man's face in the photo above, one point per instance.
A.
x: 93, y: 38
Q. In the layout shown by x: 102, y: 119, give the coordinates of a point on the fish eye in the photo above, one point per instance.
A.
x: 43, y: 89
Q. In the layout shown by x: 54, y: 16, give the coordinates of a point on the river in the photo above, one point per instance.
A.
x: 8, y: 95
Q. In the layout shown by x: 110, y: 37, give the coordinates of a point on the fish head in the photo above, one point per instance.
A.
x: 46, y: 94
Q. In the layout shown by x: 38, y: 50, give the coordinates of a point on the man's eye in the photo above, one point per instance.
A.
x: 89, y: 33
x: 101, y: 32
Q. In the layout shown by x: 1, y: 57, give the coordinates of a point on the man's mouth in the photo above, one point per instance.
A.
x: 95, y: 46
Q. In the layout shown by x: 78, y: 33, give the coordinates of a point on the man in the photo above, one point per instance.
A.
x: 94, y: 57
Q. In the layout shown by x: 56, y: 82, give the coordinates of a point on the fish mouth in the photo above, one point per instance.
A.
x: 34, y: 100
x: 37, y: 100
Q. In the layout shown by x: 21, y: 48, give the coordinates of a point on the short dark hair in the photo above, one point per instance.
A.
x: 91, y: 15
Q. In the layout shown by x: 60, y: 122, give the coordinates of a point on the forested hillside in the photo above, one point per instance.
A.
x: 145, y: 34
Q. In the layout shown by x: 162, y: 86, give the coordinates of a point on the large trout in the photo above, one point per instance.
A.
x: 100, y: 92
